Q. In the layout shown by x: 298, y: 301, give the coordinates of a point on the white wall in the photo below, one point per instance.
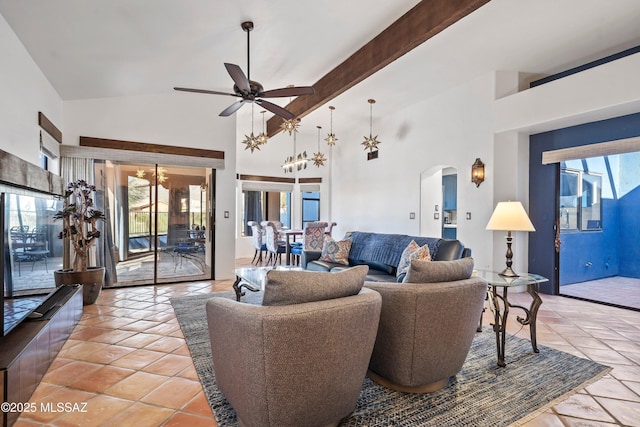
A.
x: 24, y: 91
x: 176, y: 119
x: 451, y: 129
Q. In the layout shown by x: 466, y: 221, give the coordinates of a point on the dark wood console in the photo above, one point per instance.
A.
x: 27, y: 352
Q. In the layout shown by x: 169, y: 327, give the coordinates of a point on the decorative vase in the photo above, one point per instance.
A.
x: 91, y: 281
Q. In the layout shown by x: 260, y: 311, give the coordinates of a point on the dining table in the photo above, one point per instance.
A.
x: 288, y: 235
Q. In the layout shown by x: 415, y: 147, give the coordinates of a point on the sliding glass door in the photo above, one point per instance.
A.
x: 156, y: 224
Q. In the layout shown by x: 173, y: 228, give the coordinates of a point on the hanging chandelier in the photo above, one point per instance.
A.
x: 251, y: 141
x: 295, y: 162
x: 319, y: 158
x: 371, y: 142
x: 160, y: 177
x: 263, y: 138
x: 331, y: 137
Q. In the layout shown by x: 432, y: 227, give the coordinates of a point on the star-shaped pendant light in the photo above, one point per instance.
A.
x: 290, y: 125
x: 319, y: 158
x: 251, y: 141
x: 263, y: 138
x: 371, y: 142
x: 331, y: 137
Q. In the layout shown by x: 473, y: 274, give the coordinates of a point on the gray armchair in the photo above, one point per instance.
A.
x: 425, y: 331
x: 293, y: 365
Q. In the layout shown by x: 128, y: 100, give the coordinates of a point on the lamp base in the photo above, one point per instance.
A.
x: 508, y: 272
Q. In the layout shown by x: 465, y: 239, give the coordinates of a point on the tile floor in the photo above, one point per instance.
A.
x: 617, y: 290
x: 128, y: 361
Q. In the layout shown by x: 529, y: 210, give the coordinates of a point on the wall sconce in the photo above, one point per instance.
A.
x: 477, y: 172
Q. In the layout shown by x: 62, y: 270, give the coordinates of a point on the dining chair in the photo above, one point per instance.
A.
x: 275, y: 247
x: 312, y: 239
x: 257, y: 237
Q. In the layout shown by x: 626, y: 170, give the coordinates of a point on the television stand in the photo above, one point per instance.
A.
x: 28, y: 350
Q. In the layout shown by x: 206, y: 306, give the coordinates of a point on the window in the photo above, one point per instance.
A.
x: 310, y: 206
x: 261, y: 206
x: 580, y: 200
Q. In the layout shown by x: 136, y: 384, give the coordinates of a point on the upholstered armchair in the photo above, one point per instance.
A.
x: 300, y: 361
x: 426, y: 328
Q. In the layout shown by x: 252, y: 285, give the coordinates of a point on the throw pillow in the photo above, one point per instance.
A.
x: 412, y: 252
x: 337, y: 252
x: 439, y: 271
x: 295, y: 287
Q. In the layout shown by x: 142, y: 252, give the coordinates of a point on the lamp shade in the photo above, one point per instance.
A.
x: 510, y: 216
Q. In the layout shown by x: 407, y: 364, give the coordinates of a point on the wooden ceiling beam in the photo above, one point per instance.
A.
x: 423, y: 21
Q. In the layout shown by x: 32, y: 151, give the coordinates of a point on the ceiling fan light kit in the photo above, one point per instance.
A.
x: 250, y: 91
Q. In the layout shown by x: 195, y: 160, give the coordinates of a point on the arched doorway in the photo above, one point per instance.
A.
x: 438, y: 202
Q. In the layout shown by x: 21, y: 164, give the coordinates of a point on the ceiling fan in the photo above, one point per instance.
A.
x: 252, y: 91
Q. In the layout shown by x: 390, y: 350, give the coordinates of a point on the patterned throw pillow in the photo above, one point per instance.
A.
x: 411, y: 252
x: 337, y: 252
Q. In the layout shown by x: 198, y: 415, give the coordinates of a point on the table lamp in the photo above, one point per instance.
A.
x: 509, y: 216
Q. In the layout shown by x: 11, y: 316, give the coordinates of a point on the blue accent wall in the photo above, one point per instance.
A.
x: 629, y: 245
x: 543, y: 207
x: 591, y: 255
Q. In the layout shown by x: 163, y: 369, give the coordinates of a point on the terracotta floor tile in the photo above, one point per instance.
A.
x: 113, y: 336
x: 102, y: 379
x: 47, y: 406
x: 189, y: 373
x: 138, y: 359
x: 163, y: 329
x: 199, y: 405
x: 166, y: 344
x: 136, y: 385
x: 545, y: 420
x: 70, y: 372
x: 140, y: 340
x: 109, y: 355
x: 169, y: 365
x: 181, y: 419
x: 174, y: 393
x: 88, y: 333
x: 583, y: 406
x: 627, y: 413
x: 141, y: 415
x: 612, y: 388
x: 97, y: 410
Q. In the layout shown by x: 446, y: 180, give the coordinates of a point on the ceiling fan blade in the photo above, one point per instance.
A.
x: 232, y: 108
x: 275, y: 109
x: 288, y: 91
x: 238, y: 77
x: 210, y: 92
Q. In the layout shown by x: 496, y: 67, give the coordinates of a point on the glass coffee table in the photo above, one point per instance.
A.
x: 254, y: 278
x: 498, y: 291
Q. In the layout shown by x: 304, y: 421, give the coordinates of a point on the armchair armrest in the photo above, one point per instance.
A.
x: 308, y: 256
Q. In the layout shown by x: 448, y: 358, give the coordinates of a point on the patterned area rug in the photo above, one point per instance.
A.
x: 481, y: 394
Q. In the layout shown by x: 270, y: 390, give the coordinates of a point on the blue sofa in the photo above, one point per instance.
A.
x: 382, y: 252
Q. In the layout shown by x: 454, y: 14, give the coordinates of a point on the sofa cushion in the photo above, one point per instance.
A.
x: 412, y: 252
x: 439, y: 271
x: 295, y: 287
x: 386, y: 248
x: 337, y: 252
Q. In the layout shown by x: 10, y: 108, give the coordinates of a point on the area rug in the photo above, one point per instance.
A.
x: 480, y: 395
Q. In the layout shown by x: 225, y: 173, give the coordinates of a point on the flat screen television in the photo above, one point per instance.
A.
x: 31, y: 252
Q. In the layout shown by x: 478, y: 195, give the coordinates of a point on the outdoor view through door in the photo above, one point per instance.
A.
x: 598, y: 225
x: 157, y: 223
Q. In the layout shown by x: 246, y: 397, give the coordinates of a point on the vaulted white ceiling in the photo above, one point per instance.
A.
x: 92, y: 49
